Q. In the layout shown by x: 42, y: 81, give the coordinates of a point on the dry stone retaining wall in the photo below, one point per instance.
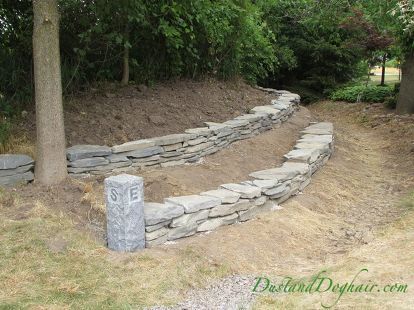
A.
x: 166, y: 151
x: 180, y: 217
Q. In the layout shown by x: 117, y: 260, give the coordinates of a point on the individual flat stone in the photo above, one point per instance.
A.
x: 235, y: 123
x: 224, y: 195
x: 159, y: 241
x: 174, y: 138
x: 197, y: 141
x: 226, y: 209
x: 173, y: 147
x: 199, y: 147
x: 287, y: 172
x: 12, y: 161
x: 265, y: 109
x: 316, y: 138
x: 133, y: 146
x: 277, y: 190
x: 303, y: 155
x: 265, y: 184
x: 157, y: 212
x: 117, y: 158
x: 86, y: 151
x: 17, y: 178
x: 154, y: 150
x: 191, y: 218
x: 183, y: 231
x: 255, y: 211
x: 103, y: 169
x: 245, y: 191
x: 316, y: 131
x: 194, y: 203
x: 149, y: 236
x: 152, y: 228
x: 259, y: 201
x: 18, y: 170
x: 323, y: 147
x: 217, y: 222
x: 202, y: 131
x: 88, y: 162
x: 250, y: 117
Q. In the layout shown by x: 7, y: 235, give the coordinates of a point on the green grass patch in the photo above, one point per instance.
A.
x: 362, y: 93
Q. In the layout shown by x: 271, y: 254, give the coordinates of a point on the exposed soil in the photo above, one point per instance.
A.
x: 114, y: 115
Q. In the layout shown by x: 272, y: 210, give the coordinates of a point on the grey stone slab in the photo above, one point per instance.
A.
x: 316, y: 138
x: 156, y: 242
x: 133, y: 146
x: 156, y: 213
x: 97, y: 169
x: 88, y: 162
x: 323, y: 147
x: 86, y: 151
x: 265, y: 109
x: 226, y: 209
x: 202, y: 131
x: 287, y: 172
x: 236, y: 123
x: 189, y: 219
x: 18, y: 170
x: 215, y: 223
x: 173, y: 147
x: 197, y: 141
x: 171, y: 154
x: 265, y: 184
x: 152, y: 228
x: 124, y: 196
x: 273, y: 192
x: 154, y: 150
x: 224, y: 195
x: 245, y: 191
x: 117, y: 158
x: 259, y: 201
x: 250, y: 117
x: 194, y: 203
x: 150, y: 236
x: 255, y: 211
x: 199, y: 147
x: 17, y: 178
x: 182, y: 231
x: 146, y: 159
x: 303, y: 155
x: 174, y: 138
x: 13, y: 161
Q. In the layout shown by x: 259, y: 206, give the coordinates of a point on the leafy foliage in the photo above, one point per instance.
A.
x: 363, y: 93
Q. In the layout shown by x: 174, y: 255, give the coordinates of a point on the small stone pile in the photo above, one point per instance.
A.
x: 178, y: 149
x: 15, y: 169
x: 180, y: 217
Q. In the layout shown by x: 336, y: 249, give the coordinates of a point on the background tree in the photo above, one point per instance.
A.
x: 51, y: 147
x: 404, y: 14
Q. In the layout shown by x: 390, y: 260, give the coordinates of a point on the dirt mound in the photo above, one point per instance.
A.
x: 114, y: 115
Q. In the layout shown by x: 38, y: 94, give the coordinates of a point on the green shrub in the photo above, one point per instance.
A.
x: 390, y: 102
x: 362, y: 93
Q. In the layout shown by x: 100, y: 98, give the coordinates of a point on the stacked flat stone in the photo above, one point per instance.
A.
x: 179, y: 149
x: 15, y: 169
x: 184, y: 216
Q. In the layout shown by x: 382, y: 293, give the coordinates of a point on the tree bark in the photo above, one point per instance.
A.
x: 51, y: 146
x: 125, y: 71
x: 384, y: 61
x: 405, y: 102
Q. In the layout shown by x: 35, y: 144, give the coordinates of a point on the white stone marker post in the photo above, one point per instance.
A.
x: 124, y: 196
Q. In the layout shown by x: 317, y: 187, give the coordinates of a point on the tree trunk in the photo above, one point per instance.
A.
x: 125, y: 71
x: 384, y: 61
x: 405, y: 102
x: 51, y: 147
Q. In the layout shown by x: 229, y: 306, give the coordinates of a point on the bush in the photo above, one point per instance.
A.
x: 363, y: 93
x: 4, y: 132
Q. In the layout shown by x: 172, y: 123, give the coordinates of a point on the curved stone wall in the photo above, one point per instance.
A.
x: 180, y: 217
x: 165, y: 151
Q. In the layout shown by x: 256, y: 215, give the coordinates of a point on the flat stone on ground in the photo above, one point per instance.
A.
x: 12, y: 161
x: 132, y: 146
x: 173, y: 139
x: 194, y: 203
x: 225, y: 195
x: 246, y: 191
x: 86, y: 151
x: 214, y: 223
x: 157, y: 212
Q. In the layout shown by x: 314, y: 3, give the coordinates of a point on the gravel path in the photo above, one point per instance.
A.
x: 231, y: 293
